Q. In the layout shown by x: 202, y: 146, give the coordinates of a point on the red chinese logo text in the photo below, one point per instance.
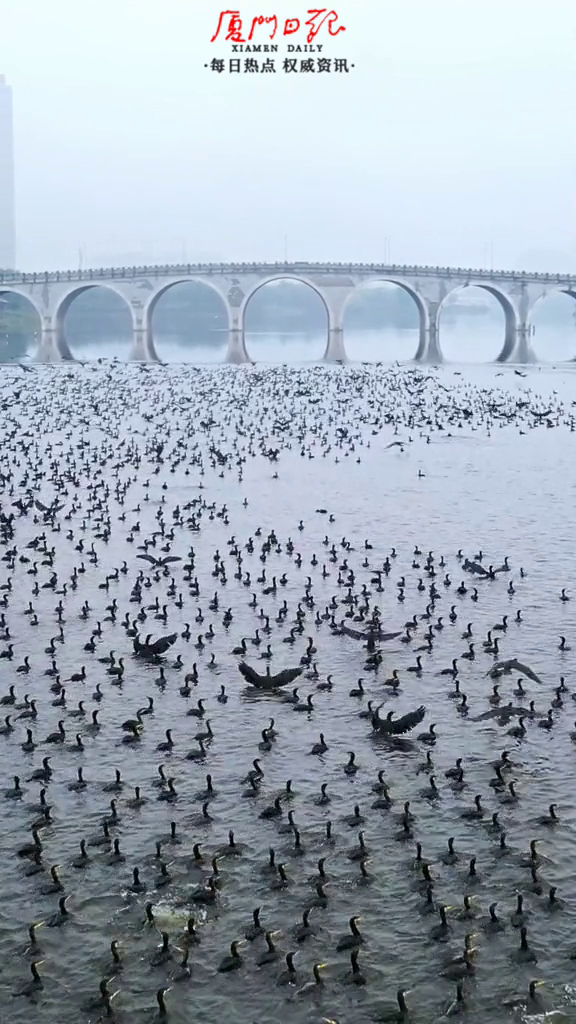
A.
x: 230, y: 23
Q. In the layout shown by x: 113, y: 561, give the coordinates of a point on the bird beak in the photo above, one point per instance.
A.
x: 320, y: 966
x: 38, y: 924
x: 540, y: 983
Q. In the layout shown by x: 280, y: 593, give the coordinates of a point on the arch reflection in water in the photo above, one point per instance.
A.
x: 553, y: 326
x: 383, y: 322
x: 476, y: 325
x: 188, y: 322
x: 92, y: 319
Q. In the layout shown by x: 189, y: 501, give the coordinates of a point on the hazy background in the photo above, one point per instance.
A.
x: 451, y: 142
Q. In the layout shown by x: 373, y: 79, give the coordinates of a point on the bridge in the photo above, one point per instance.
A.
x: 518, y: 292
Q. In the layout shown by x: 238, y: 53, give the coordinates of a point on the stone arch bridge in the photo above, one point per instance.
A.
x: 51, y: 294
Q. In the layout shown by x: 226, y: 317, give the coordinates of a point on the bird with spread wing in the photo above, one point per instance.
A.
x: 399, y: 726
x: 372, y: 633
x: 152, y: 651
x: 160, y: 563
x: 269, y: 682
x: 504, y: 667
x: 503, y: 713
x: 48, y: 511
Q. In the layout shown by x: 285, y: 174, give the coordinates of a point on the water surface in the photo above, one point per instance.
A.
x: 495, y: 482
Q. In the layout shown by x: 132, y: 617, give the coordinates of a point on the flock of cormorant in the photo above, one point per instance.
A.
x: 269, y: 770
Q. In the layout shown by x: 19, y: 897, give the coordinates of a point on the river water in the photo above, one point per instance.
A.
x: 478, y: 342
x: 499, y: 478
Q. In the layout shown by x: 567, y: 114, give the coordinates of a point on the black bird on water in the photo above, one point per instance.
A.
x: 120, y: 518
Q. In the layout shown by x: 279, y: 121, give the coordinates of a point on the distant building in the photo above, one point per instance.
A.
x: 7, y: 213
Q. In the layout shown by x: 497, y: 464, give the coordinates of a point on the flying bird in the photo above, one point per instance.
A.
x: 503, y: 667
x: 504, y: 713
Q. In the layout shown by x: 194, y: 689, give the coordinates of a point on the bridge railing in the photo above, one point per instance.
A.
x: 8, y: 277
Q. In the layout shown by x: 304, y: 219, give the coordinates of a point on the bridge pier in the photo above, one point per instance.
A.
x: 143, y: 349
x: 138, y: 352
x: 236, y: 352
x: 335, y: 300
x: 523, y: 352
x: 53, y: 347
x: 432, y: 353
x: 429, y: 346
x: 46, y: 352
x: 335, y: 351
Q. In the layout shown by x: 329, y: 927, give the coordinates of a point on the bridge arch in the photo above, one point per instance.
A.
x: 66, y: 301
x: 8, y: 289
x: 418, y: 300
x: 550, y: 294
x: 296, y: 279
x: 507, y: 305
x: 13, y: 342
x: 196, y: 282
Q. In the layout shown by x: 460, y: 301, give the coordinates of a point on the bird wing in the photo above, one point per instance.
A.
x: 269, y: 682
x: 171, y: 558
x: 514, y: 663
x: 148, y: 558
x: 286, y: 676
x: 474, y: 567
x: 41, y: 507
x: 504, y: 712
x: 162, y: 645
x: 250, y: 675
x: 403, y: 724
x: 376, y: 634
x: 356, y: 634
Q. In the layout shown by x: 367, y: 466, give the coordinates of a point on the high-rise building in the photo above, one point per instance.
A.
x: 7, y: 214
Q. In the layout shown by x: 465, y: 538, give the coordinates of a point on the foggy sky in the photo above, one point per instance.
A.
x: 451, y: 139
